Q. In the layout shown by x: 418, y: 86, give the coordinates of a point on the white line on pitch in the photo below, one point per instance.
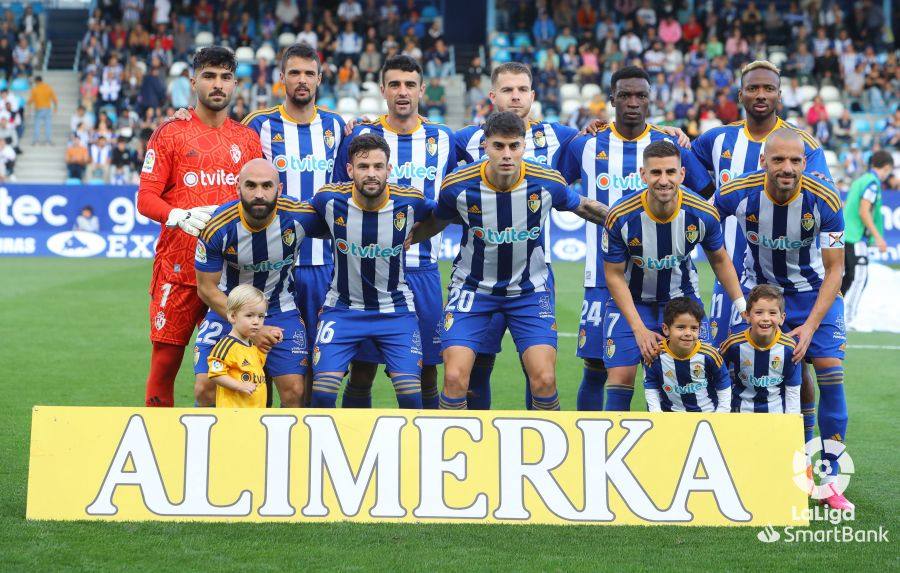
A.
x: 862, y: 346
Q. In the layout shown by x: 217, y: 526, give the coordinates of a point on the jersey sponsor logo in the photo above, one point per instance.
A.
x: 411, y: 171
x: 808, y: 222
x: 149, y: 161
x: 218, y: 177
x: 534, y: 202
x: 267, y: 266
x: 200, y: 253
x: 760, y: 381
x: 235, y: 153
x: 779, y: 244
x: 539, y: 139
x: 691, y: 234
x: 652, y: 264
x: 329, y: 138
x: 76, y: 244
x: 306, y: 164
x: 431, y: 146
x: 691, y: 388
x: 400, y: 221
x: 288, y: 237
x: 632, y: 182
x: 372, y: 251
x: 508, y: 235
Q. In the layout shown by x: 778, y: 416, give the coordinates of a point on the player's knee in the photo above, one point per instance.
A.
x: 362, y: 375
x: 485, y: 360
x: 290, y: 391
x: 543, y: 383
x: 622, y: 377
x: 456, y: 382
x: 204, y: 392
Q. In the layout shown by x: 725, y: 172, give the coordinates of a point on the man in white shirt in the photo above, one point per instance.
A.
x: 349, y: 11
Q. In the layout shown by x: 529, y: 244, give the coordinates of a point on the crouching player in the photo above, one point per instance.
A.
x: 647, y: 248
x: 502, y: 203
x: 369, y: 298
x: 689, y: 375
x: 235, y: 363
x: 254, y: 241
x: 760, y: 359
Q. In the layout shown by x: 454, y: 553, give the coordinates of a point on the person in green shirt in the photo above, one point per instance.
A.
x: 863, y: 225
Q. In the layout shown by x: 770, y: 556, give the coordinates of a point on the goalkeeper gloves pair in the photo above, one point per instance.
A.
x: 191, y: 221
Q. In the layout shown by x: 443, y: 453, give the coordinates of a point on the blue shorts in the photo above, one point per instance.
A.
x: 426, y: 288
x: 311, y: 284
x: 722, y: 315
x: 590, y: 332
x: 290, y: 356
x: 493, y: 338
x: 341, y: 332
x: 621, y: 348
x: 829, y: 340
x: 530, y: 318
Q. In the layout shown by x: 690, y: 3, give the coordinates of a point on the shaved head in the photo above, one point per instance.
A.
x: 259, y: 187
x: 784, y: 159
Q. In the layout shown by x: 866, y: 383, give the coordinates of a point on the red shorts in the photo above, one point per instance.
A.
x: 175, y: 311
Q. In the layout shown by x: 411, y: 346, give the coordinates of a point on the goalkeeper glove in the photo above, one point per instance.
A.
x: 191, y: 221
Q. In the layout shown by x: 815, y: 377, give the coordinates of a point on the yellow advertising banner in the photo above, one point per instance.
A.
x: 135, y: 464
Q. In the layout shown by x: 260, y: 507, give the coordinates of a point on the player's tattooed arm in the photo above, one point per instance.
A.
x: 209, y: 293
x: 424, y: 230
x: 591, y: 210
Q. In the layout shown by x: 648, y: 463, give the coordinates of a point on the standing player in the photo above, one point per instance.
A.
x: 511, y: 90
x: 369, y: 298
x: 189, y: 169
x: 865, y: 224
x: 502, y: 203
x: 732, y: 150
x: 255, y: 240
x: 647, y: 246
x: 608, y: 164
x: 423, y: 154
x: 784, y: 213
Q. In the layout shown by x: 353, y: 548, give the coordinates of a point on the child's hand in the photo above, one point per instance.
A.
x: 247, y: 388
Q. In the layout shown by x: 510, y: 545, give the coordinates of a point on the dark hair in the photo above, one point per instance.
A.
x: 368, y: 142
x: 768, y: 292
x: 661, y: 148
x: 504, y: 123
x: 88, y: 208
x: 682, y: 305
x: 511, y: 68
x: 627, y: 73
x: 881, y: 158
x: 403, y: 63
x: 301, y: 50
x: 214, y: 57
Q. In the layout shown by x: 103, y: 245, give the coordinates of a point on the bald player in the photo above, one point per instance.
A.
x: 254, y: 240
x: 795, y: 240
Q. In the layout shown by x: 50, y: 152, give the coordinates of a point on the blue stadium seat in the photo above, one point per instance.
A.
x: 522, y: 40
x: 73, y: 181
x: 327, y: 102
x: 3, y: 84
x: 501, y: 56
x: 20, y: 84
x: 500, y: 40
x: 96, y: 182
x: 37, y: 7
x: 429, y: 13
x: 244, y: 70
x: 435, y: 116
x: 862, y: 126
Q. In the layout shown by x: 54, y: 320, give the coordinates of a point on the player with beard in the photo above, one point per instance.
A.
x: 189, y: 169
x: 255, y: 240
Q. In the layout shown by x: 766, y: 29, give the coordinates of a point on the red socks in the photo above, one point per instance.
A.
x: 165, y: 360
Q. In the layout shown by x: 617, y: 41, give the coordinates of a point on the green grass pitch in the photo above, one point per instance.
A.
x: 74, y: 332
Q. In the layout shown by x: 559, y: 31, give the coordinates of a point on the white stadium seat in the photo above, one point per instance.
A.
x: 708, y: 124
x: 805, y: 107
x: 831, y: 158
x: 778, y: 58
x: 245, y: 54
x: 265, y: 52
x: 371, y: 88
x: 806, y: 93
x: 286, y: 39
x: 588, y: 91
x: 569, y: 91
x: 829, y: 94
x: 204, y: 39
x: 834, y: 109
x: 569, y: 107
x: 347, y: 105
x: 369, y: 105
x: 537, y: 110
x: 176, y: 68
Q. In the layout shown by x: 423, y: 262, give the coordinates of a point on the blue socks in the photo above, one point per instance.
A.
x: 590, y: 392
x: 430, y: 399
x: 545, y: 402
x: 325, y: 390
x: 479, y: 397
x: 448, y: 403
x: 808, y: 409
x: 618, y: 398
x: 355, y: 397
x: 832, y: 409
x: 409, y: 390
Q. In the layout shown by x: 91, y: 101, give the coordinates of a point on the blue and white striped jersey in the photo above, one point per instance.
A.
x: 656, y: 253
x: 368, y: 246
x: 784, y: 241
x: 764, y: 379
x: 421, y: 159
x: 697, y: 383
x: 502, y: 248
x: 729, y: 151
x: 304, y: 155
x: 261, y: 257
x: 609, y: 165
x: 544, y: 143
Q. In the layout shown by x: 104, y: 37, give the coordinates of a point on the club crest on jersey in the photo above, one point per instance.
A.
x: 776, y: 363
x: 448, y: 321
x: 160, y: 320
x: 200, y: 253
x: 610, y: 347
x: 539, y: 139
x: 582, y: 338
x: 196, y: 355
x: 691, y: 234
x: 149, y: 161
x: 288, y: 237
x: 713, y: 328
x: 534, y: 202
x: 431, y: 146
x: 235, y: 153
x: 400, y: 221
x: 316, y: 355
x: 808, y: 222
x: 329, y: 138
x: 698, y: 371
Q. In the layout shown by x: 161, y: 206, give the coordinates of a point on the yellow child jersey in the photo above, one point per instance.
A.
x: 242, y: 362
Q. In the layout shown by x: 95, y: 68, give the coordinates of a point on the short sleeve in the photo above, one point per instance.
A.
x: 701, y: 151
x: 208, y: 255
x: 339, y: 174
x: 460, y: 139
x: 569, y: 164
x: 313, y: 225
x: 564, y: 197
x: 713, y: 239
x: 696, y: 175
x: 451, y: 162
x: 816, y: 164
x: 613, y: 244
x: 719, y: 376
x: 791, y: 372
x: 870, y: 193
x: 725, y: 204
x: 218, y: 364
x: 423, y: 209
x: 446, y: 204
x: 652, y: 378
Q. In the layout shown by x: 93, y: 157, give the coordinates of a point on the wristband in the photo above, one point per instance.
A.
x: 740, y: 304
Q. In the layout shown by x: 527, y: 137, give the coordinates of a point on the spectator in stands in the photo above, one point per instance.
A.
x: 854, y: 163
x: 349, y: 11
x: 654, y: 59
x: 6, y: 57
x: 121, y: 163
x: 412, y: 50
x: 683, y: 107
x: 439, y: 64
x: 587, y: 16
x: 435, y: 97
x: 152, y: 92
x: 308, y: 35
x: 111, y: 82
x: 646, y: 14
x: 565, y: 39
x: 286, y: 12
x: 569, y: 63
x: 180, y: 90
x: 80, y: 118
x: 8, y: 132
x: 412, y: 26
x: 890, y: 137
x: 370, y: 63
x: 843, y: 128
x: 23, y: 56
x: 790, y: 97
x: 101, y: 154
x: 203, y: 17
x: 348, y: 80
x: 7, y: 161
x: 817, y: 119
x: 630, y: 44
x: 87, y: 220
x: 261, y: 93
x: 30, y: 25
x: 589, y: 70
x: 349, y: 43
x: 77, y: 157
x: 670, y: 30
x: 45, y: 103
x: 726, y: 109
x: 544, y: 30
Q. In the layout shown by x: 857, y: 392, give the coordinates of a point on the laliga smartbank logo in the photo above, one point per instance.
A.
x: 814, y: 454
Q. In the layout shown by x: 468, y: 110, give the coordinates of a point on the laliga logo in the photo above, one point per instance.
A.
x: 822, y: 468
x: 217, y: 177
x: 779, y: 244
x: 608, y: 181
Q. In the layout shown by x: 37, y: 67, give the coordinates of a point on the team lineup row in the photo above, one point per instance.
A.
x: 401, y: 187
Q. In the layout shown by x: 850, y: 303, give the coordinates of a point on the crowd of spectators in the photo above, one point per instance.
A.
x: 134, y: 55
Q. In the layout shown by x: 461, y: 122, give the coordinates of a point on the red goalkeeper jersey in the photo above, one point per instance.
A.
x: 189, y: 164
